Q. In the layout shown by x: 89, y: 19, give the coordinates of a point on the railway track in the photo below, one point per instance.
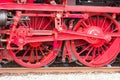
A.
x: 61, y: 70
x: 36, y: 33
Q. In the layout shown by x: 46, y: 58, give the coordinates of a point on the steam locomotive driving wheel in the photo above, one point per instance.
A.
x: 36, y: 54
x: 96, y: 52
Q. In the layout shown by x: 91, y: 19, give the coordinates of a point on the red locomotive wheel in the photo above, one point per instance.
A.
x: 96, y: 52
x: 36, y: 54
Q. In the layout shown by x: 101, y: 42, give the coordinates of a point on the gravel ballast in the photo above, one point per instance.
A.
x: 58, y: 76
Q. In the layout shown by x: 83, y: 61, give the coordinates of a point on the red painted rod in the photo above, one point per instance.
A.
x: 48, y: 7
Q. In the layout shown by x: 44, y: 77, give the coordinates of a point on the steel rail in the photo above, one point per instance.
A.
x: 61, y: 70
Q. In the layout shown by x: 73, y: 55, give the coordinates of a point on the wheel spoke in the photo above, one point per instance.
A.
x: 85, y: 25
x: 27, y: 23
x: 42, y: 52
x: 94, y: 54
x: 103, y: 23
x: 84, y: 49
x: 103, y: 51
x: 31, y: 56
x: 90, y: 21
x: 47, y: 24
x: 98, y: 21
x: 32, y: 23
x: 25, y: 53
x: 46, y: 48
x: 80, y: 44
x: 99, y: 52
x: 16, y: 52
x: 35, y: 23
x: 115, y: 30
x: 88, y: 53
x: 41, y: 23
x: 106, y: 47
x: 24, y: 24
x: 108, y: 27
x: 36, y: 54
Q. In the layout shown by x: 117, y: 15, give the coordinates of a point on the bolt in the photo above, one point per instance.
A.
x: 58, y: 16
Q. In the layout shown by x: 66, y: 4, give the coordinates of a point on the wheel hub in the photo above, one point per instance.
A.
x: 95, y: 31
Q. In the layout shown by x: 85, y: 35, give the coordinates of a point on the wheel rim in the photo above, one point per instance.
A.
x: 36, y: 54
x: 100, y: 52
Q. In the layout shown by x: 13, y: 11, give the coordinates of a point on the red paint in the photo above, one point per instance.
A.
x: 6, y: 1
x: 88, y: 32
